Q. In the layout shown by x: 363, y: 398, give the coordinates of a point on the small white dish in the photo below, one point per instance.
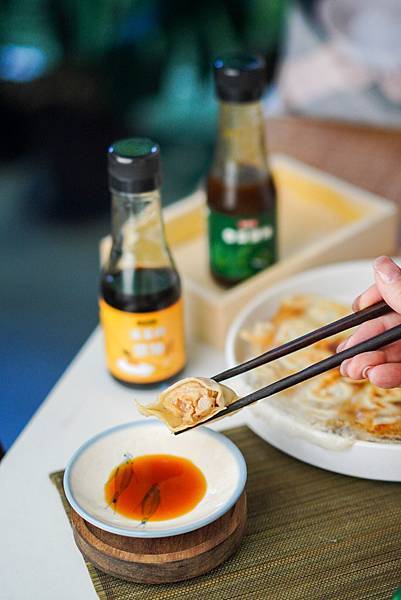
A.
x: 220, y: 461
x: 371, y: 460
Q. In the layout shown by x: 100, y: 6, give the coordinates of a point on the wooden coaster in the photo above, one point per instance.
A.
x: 162, y: 560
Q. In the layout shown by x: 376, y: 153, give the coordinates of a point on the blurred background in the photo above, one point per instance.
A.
x: 77, y: 74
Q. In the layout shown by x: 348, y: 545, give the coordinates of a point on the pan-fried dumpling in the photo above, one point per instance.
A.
x: 189, y: 402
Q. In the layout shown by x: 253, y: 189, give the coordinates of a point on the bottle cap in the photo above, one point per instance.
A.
x: 134, y: 166
x: 240, y: 77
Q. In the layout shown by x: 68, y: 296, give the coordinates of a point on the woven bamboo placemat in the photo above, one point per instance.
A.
x: 312, y: 535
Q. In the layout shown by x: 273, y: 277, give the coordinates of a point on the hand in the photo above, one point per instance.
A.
x: 381, y: 367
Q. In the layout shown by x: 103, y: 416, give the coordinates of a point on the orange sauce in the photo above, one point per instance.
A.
x: 155, y: 487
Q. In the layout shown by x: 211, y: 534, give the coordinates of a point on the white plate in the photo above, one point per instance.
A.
x: 215, y: 455
x: 371, y: 460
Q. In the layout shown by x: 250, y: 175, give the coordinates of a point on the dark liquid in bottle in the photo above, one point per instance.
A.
x: 141, y: 290
x: 252, y: 194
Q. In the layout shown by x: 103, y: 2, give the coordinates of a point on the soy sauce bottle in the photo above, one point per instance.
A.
x: 140, y: 306
x: 241, y: 196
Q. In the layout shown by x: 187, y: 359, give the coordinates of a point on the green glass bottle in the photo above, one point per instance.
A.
x: 241, y: 196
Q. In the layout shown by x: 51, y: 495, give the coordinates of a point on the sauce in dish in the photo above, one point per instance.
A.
x: 155, y: 487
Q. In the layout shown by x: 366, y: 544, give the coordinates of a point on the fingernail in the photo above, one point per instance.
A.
x: 365, y: 372
x: 387, y: 269
x: 341, y: 346
x: 355, y: 304
x: 343, y: 367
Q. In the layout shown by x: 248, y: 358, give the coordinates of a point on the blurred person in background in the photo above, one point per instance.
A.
x: 343, y: 61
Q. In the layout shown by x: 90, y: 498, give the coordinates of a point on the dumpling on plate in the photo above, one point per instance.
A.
x: 190, y: 401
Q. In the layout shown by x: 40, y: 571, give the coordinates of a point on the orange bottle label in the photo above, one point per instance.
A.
x: 143, y: 347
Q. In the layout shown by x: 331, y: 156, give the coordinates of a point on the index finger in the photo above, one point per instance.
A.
x: 371, y: 328
x: 367, y: 298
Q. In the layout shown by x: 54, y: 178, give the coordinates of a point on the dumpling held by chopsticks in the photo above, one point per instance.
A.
x: 189, y: 402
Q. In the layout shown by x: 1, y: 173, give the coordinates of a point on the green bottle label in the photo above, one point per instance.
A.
x: 241, y: 246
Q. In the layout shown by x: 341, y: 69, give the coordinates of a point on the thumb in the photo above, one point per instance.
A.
x: 388, y: 281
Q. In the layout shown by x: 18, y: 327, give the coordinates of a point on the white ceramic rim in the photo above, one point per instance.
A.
x: 282, y: 287
x: 178, y: 530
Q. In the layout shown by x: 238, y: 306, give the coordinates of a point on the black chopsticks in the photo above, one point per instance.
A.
x: 371, y: 312
x: 374, y: 343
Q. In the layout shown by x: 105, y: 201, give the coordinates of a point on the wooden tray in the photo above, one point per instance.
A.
x: 162, y: 560
x: 321, y: 220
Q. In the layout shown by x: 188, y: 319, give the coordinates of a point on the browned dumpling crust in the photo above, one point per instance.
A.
x: 356, y: 409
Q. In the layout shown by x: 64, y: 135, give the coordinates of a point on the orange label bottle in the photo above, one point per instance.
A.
x: 141, y: 309
x: 143, y: 347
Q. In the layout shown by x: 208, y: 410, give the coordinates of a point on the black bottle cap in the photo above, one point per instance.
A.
x: 134, y: 166
x: 240, y: 77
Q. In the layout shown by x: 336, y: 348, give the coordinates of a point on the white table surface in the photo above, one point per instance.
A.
x: 38, y: 556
